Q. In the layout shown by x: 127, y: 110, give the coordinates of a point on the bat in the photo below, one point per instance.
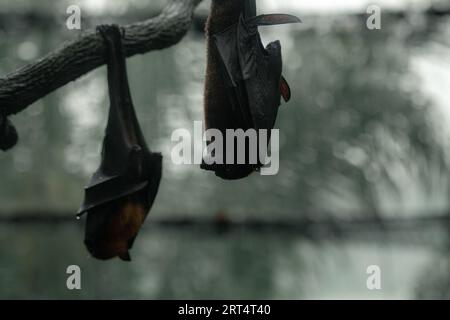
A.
x: 123, y: 189
x: 8, y: 133
x: 244, y: 82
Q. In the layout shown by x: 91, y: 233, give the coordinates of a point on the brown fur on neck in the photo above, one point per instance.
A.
x: 223, y: 13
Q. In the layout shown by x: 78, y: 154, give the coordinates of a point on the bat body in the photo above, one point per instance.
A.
x: 122, y: 190
x: 244, y: 82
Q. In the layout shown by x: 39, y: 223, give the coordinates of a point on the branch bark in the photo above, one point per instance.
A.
x: 21, y: 88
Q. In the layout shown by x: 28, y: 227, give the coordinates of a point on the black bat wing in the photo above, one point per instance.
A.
x: 227, y: 44
x: 127, y: 164
x: 262, y: 68
x: 252, y: 72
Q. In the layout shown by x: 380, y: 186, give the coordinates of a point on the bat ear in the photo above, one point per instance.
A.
x: 125, y: 256
x: 285, y: 89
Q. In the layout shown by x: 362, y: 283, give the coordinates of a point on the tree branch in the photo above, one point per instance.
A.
x: 32, y: 82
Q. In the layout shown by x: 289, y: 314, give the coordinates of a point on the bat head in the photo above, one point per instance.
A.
x: 112, y: 228
x: 106, y: 251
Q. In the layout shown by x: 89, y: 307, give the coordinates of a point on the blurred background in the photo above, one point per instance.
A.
x: 364, y: 175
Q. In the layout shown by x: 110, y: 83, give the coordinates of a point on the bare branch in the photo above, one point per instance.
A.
x: 32, y: 82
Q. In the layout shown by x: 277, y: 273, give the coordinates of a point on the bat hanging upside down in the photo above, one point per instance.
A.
x: 123, y: 189
x: 244, y: 85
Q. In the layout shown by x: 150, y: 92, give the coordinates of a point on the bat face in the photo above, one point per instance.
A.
x: 244, y: 82
x: 123, y: 189
x: 112, y: 228
x: 112, y: 225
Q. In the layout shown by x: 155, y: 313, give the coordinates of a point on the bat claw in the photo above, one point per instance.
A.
x: 110, y: 32
x: 104, y: 29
